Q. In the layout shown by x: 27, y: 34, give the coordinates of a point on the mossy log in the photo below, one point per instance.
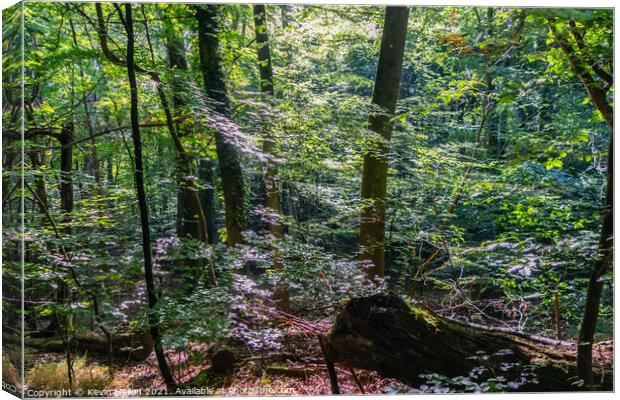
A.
x: 134, y: 346
x: 384, y: 334
x: 291, y: 371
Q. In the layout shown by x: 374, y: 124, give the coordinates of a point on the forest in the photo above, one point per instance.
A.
x: 237, y: 199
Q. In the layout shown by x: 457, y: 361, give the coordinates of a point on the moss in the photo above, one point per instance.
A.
x: 425, y: 318
x: 289, y: 371
x: 385, y: 334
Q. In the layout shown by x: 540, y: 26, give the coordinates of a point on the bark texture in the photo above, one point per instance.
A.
x: 233, y: 181
x: 374, y: 176
x: 595, y: 284
x: 272, y: 195
x: 207, y: 196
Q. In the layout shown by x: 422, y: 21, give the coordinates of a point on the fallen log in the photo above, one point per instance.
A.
x: 290, y: 371
x: 134, y: 346
x: 384, y: 334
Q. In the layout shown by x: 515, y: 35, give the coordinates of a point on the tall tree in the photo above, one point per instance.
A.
x: 272, y: 197
x: 153, y: 318
x: 188, y: 215
x: 597, y: 89
x: 493, y: 117
x: 89, y: 121
x: 192, y: 215
x: 374, y: 175
x: 231, y: 174
x: 197, y: 226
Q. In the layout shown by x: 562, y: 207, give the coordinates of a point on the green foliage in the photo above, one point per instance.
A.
x: 496, y: 171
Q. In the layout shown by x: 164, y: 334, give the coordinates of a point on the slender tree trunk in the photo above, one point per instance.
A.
x: 110, y: 172
x: 66, y: 166
x: 262, y: 48
x: 605, y: 250
x: 285, y: 11
x: 595, y: 284
x: 233, y: 182
x: 374, y: 176
x: 144, y: 213
x: 178, y: 63
x: 492, y: 126
x: 63, y: 322
x: 88, y: 120
x: 192, y: 218
x: 501, y: 134
x: 183, y: 158
x: 207, y: 196
x: 39, y: 178
x: 272, y: 197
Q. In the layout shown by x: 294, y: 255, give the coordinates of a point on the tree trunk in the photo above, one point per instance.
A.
x: 272, y: 197
x: 207, y: 196
x: 605, y: 250
x: 265, y: 67
x: 492, y: 126
x: 191, y: 215
x: 94, y: 158
x: 135, y: 346
x: 66, y: 205
x: 183, y: 159
x: 595, y: 284
x: 233, y: 182
x: 374, y: 176
x: 191, y: 218
x: 144, y: 213
x: 179, y: 66
x: 384, y: 334
x: 66, y: 165
x: 285, y: 13
x: 39, y: 178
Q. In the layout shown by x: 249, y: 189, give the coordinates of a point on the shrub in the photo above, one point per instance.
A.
x: 53, y: 375
x: 9, y: 372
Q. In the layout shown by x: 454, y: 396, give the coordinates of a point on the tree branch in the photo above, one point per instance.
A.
x: 103, y: 40
x: 580, y: 43
x: 597, y: 95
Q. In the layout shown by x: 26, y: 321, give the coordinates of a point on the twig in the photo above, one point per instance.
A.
x: 357, y: 381
x: 331, y: 370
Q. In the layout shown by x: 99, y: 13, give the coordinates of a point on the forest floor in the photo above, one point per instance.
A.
x: 246, y: 380
x: 260, y: 375
x: 298, y: 371
x: 296, y: 367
